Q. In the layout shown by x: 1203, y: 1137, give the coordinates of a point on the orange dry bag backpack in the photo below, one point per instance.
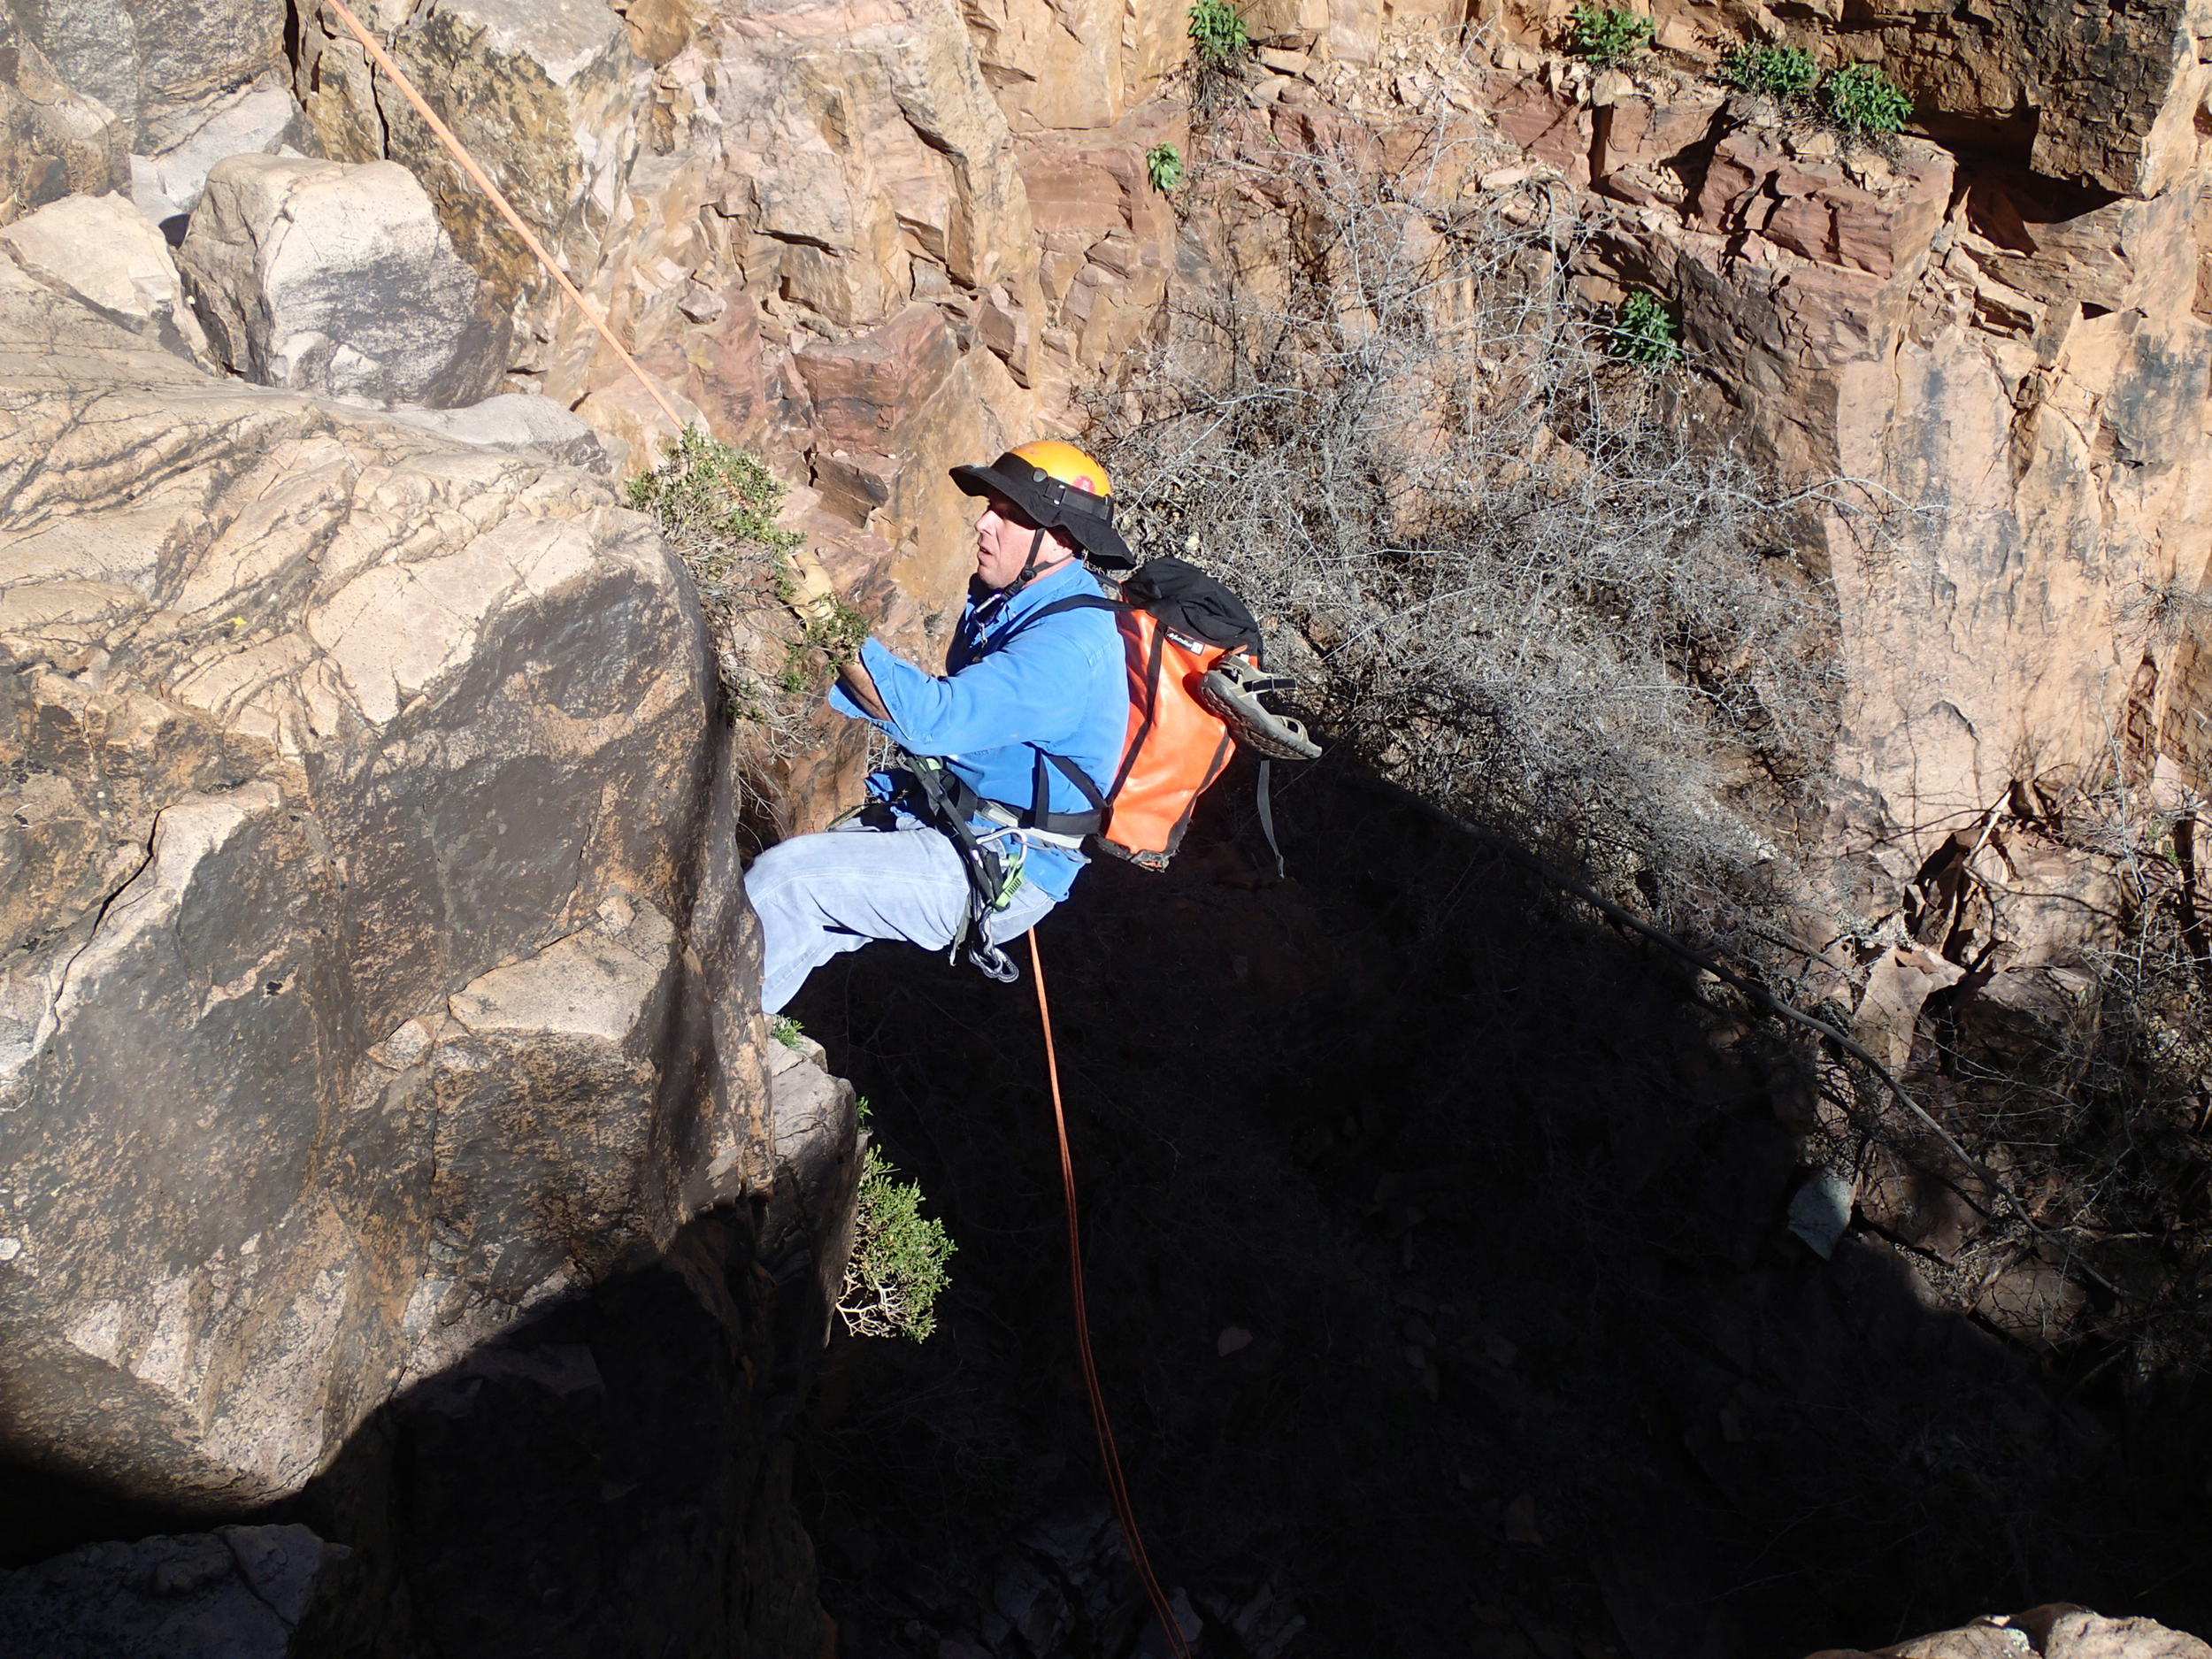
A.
x: 1192, y: 652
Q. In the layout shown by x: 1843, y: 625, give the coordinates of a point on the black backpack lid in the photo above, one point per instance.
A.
x: 1190, y: 601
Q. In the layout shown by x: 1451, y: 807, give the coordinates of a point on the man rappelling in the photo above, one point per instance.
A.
x: 1013, y: 747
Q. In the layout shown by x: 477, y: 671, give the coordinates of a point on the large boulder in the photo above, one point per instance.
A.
x: 2056, y: 1630
x: 545, y: 94
x: 237, y: 1593
x: 373, y: 962
x: 101, y: 251
x: 262, y: 121
x: 321, y: 276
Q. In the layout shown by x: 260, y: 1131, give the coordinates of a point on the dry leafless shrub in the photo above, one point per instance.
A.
x: 1516, y: 574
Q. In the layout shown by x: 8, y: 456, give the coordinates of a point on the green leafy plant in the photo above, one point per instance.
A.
x: 1783, y: 73
x: 1604, y: 36
x: 1863, y: 102
x: 1164, y: 167
x: 787, y: 1031
x: 1217, y: 31
x: 898, y: 1262
x: 716, y: 506
x: 706, y: 490
x: 1643, y: 331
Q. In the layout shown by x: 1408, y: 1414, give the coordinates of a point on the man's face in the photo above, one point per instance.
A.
x: 1002, y: 539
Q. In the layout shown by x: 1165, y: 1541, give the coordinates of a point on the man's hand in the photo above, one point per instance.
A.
x: 813, y: 599
x: 810, y: 594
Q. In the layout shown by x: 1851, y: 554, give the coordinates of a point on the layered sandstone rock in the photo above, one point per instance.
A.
x: 375, y: 962
x: 2007, y: 374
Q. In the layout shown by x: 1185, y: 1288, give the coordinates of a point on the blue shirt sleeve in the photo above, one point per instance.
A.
x: 1033, y: 690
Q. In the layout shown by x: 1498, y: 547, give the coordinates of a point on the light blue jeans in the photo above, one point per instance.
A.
x: 820, y: 895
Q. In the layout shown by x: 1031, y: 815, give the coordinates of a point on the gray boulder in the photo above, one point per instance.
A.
x: 260, y: 122
x: 323, y: 276
x: 237, y: 1593
x: 515, y: 421
x: 374, y: 967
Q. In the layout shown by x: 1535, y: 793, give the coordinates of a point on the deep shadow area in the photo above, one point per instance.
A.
x: 611, y: 1477
x: 1442, y: 1296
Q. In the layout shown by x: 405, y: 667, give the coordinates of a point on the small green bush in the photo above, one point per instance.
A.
x: 716, y: 507
x: 1216, y: 31
x: 1164, y: 167
x: 1783, y: 73
x: 1643, y: 331
x: 706, y: 490
x: 1605, y: 37
x: 898, y: 1262
x: 1863, y: 102
x: 787, y: 1031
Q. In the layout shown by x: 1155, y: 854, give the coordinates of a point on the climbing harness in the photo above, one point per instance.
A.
x: 1117, y: 1488
x: 947, y: 803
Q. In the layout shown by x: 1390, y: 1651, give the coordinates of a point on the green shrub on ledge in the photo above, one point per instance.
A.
x: 1606, y: 37
x: 1644, y: 331
x: 1217, y: 31
x: 898, y: 1262
x: 1863, y: 102
x: 1783, y: 73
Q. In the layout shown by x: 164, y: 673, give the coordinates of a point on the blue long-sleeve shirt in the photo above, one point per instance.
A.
x: 1009, y: 691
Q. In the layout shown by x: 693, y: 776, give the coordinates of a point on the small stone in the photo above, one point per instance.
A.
x: 701, y: 304
x: 1235, y: 1340
x: 1820, y: 1211
x: 10, y: 1249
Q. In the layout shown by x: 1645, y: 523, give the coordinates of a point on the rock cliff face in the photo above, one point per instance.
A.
x: 874, y: 243
x: 372, y: 967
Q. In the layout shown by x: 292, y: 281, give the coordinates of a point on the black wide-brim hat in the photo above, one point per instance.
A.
x: 1045, y: 500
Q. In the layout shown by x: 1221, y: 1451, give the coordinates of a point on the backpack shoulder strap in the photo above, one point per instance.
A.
x: 1058, y: 607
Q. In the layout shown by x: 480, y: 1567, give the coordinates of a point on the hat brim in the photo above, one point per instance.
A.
x: 1095, y: 537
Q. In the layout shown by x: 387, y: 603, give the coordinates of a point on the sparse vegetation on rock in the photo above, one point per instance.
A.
x: 1783, y: 73
x: 1164, y: 167
x: 1644, y: 331
x: 1607, y: 36
x: 717, y: 506
x: 897, y: 1268
x: 1512, y: 576
x: 1862, y: 101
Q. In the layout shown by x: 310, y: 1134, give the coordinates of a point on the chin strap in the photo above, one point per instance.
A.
x: 1029, y: 570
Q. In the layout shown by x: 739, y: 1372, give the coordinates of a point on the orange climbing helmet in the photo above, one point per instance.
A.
x: 1056, y: 486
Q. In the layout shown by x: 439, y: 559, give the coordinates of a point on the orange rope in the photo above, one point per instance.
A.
x: 484, y: 183
x: 1119, y: 1492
